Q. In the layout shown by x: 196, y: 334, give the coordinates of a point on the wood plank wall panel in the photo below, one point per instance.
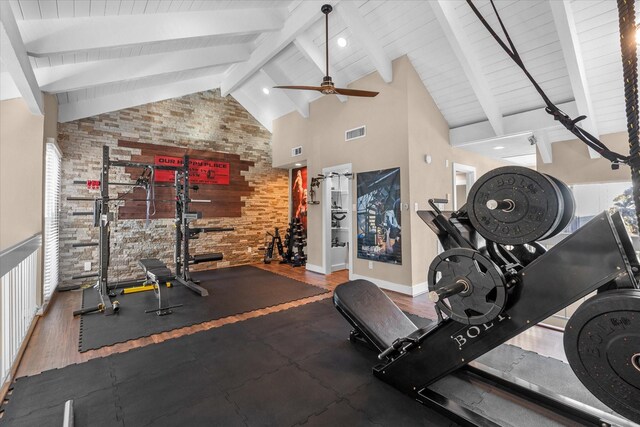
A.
x: 226, y: 200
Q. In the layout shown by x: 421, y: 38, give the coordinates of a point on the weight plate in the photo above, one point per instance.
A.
x: 486, y: 295
x: 569, y: 207
x: 602, y: 344
x: 536, y: 205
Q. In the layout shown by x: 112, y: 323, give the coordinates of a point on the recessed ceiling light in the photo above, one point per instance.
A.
x: 342, y: 42
x: 265, y: 90
x: 498, y: 147
x: 298, y: 164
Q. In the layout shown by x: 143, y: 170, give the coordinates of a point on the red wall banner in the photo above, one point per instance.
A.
x: 200, y: 171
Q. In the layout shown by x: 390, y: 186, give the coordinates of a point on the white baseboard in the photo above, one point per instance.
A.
x: 413, y: 291
x: 338, y: 267
x: 314, y: 268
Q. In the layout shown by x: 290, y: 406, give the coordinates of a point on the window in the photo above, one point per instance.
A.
x: 591, y: 200
x: 53, y: 171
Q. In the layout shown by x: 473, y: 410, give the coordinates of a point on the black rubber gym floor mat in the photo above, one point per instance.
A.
x: 232, y: 291
x: 281, y: 369
x: 245, y: 373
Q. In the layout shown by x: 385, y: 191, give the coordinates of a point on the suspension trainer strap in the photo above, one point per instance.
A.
x: 559, y: 115
x: 627, y: 20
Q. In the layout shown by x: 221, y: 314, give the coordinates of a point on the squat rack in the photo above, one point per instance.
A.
x: 102, y: 217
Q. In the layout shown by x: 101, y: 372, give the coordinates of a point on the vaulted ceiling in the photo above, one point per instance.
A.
x: 103, y: 55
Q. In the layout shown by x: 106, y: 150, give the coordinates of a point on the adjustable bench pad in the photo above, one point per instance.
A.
x: 155, y: 269
x: 372, y: 312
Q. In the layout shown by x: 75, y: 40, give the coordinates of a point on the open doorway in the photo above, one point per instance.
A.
x: 463, y: 178
x: 337, y: 214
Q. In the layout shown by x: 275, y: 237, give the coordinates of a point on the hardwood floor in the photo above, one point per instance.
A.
x: 54, y: 343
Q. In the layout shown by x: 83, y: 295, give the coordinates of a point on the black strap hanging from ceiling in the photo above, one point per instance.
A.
x: 627, y: 21
x: 559, y: 115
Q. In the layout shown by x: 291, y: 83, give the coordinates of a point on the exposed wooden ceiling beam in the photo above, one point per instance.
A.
x: 544, y: 146
x: 57, y: 36
x: 68, y: 77
x: 299, y: 20
x: 307, y: 47
x: 351, y: 16
x: 118, y: 101
x: 454, y: 32
x: 568, y: 35
x: 277, y: 77
x: 16, y: 61
x: 515, y: 123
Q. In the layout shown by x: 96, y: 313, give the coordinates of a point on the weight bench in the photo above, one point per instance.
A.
x: 156, y: 273
x: 377, y: 320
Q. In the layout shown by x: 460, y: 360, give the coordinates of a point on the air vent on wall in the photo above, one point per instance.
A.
x: 355, y: 133
x: 296, y: 151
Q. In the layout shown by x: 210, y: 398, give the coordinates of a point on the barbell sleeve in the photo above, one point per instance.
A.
x: 503, y: 205
x: 448, y: 290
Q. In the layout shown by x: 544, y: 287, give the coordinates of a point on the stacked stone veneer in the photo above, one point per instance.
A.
x: 204, y: 121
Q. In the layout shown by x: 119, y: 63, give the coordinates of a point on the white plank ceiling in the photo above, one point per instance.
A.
x: 101, y: 55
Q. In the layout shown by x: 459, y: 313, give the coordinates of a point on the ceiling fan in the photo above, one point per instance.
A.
x: 327, y: 87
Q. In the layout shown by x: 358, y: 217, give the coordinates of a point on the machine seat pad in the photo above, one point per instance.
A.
x: 372, y: 312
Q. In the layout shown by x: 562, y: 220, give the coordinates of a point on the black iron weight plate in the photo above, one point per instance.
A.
x: 602, y: 344
x: 487, y: 296
x: 569, y: 208
x: 538, y: 210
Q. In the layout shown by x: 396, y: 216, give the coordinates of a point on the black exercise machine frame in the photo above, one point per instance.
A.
x: 547, y: 285
x: 102, y: 217
x: 184, y: 232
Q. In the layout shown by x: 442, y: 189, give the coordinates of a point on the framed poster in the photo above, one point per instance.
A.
x: 299, y: 195
x: 379, y: 221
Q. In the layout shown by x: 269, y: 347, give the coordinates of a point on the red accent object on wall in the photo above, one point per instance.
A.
x: 299, y: 195
x: 200, y: 171
x: 93, y: 184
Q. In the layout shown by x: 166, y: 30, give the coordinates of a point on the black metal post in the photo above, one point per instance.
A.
x: 185, y: 222
x: 628, y: 47
x: 105, y: 230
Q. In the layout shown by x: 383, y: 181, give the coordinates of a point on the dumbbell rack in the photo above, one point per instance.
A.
x: 295, y: 241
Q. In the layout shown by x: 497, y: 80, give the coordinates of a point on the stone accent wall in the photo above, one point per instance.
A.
x: 204, y: 121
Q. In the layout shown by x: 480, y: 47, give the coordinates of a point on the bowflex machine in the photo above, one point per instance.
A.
x: 493, y: 281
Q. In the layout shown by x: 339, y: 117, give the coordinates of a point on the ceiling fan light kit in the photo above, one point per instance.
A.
x: 327, y: 87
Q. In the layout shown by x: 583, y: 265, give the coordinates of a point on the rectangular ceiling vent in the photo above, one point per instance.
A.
x: 356, y: 133
x: 296, y: 151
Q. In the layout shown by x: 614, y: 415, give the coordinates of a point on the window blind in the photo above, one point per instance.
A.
x: 53, y: 176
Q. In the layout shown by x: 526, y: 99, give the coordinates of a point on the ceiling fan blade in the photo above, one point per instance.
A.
x: 355, y: 92
x: 318, y: 88
x: 328, y: 87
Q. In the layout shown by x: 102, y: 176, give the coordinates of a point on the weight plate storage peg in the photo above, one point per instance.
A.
x: 513, y: 205
x: 602, y: 344
x: 467, y: 286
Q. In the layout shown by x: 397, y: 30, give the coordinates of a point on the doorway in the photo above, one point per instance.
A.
x: 337, y: 214
x: 463, y: 178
